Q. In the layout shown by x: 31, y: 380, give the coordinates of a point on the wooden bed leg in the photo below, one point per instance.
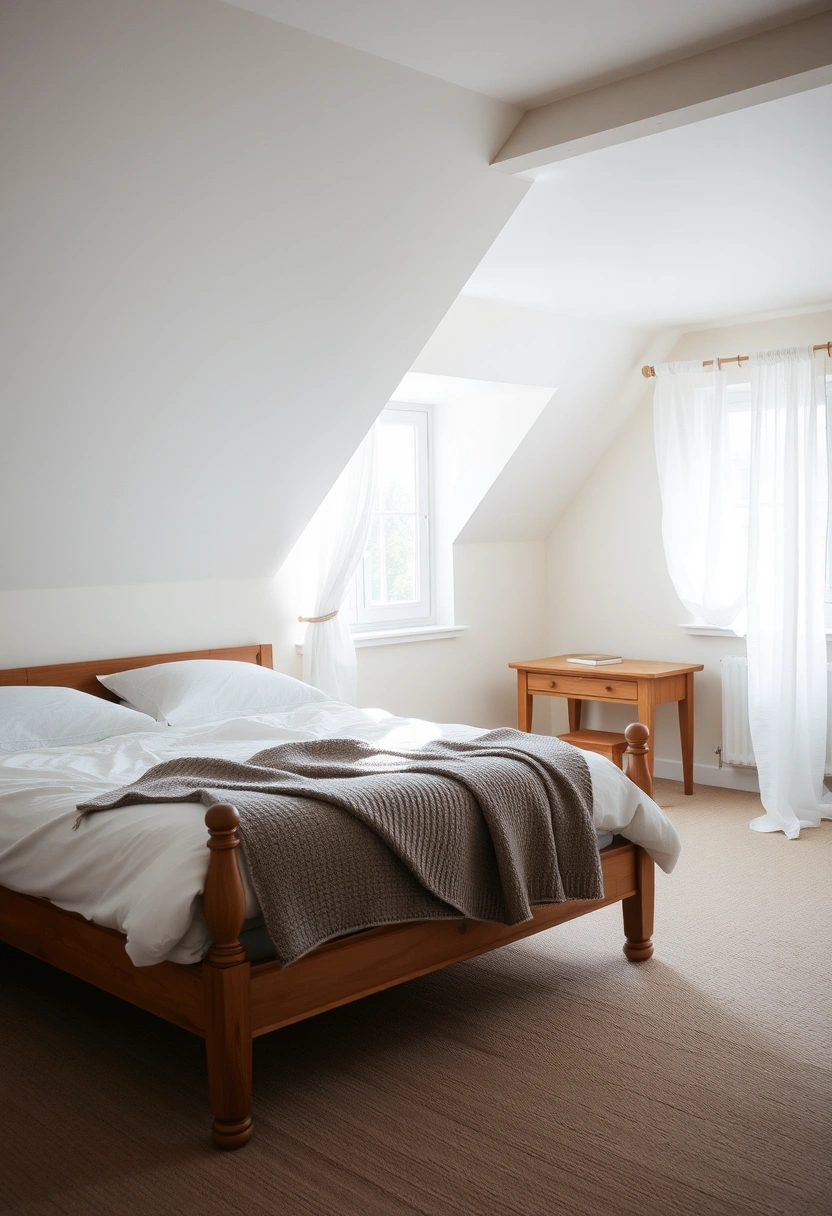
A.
x: 227, y: 982
x: 638, y: 909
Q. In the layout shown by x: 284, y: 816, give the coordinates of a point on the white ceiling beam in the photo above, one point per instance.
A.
x: 786, y: 60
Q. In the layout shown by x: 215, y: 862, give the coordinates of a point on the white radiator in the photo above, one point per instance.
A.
x: 736, y: 733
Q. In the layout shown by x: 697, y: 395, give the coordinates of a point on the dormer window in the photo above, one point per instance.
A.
x: 393, y: 583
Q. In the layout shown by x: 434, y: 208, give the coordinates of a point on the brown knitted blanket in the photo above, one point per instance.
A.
x: 341, y: 836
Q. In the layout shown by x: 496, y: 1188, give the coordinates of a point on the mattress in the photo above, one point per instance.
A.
x: 141, y: 869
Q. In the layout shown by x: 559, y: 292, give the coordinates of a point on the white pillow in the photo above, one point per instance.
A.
x: 209, y: 690
x: 56, y: 717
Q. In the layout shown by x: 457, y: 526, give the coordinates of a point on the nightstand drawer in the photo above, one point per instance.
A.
x: 594, y: 687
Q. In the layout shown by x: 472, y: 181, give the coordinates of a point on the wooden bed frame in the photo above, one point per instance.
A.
x: 229, y: 1001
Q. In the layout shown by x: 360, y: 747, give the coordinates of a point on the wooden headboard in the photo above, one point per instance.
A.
x: 82, y: 675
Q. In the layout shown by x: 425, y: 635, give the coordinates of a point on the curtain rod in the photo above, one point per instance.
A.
x: 647, y: 371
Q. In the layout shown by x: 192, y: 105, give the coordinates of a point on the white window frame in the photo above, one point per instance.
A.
x: 367, y: 617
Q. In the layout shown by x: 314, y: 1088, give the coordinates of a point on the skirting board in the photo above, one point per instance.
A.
x: 730, y: 776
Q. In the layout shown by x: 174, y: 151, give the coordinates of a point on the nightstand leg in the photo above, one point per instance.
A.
x: 686, y: 732
x: 573, y: 707
x: 524, y: 702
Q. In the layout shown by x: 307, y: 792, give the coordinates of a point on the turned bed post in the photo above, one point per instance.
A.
x: 638, y: 909
x: 227, y: 984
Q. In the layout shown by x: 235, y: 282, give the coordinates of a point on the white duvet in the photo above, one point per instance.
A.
x: 141, y: 869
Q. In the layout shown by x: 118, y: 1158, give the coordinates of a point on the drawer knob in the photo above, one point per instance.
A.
x: 553, y: 684
x: 609, y: 688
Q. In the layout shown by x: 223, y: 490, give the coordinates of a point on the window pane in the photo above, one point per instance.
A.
x: 372, y: 563
x: 396, y: 467
x: 393, y: 581
x: 400, y: 554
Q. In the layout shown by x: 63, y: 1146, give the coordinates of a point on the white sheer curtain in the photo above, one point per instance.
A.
x: 705, y: 535
x: 340, y: 532
x: 786, y: 641
x: 744, y: 514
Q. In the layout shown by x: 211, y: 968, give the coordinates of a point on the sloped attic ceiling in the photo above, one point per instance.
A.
x: 609, y: 257
x: 529, y: 51
x: 593, y: 365
x: 224, y: 243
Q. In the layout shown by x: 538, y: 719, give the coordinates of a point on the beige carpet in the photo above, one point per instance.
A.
x: 551, y: 1077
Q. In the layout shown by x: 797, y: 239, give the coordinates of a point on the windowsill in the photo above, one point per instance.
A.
x: 694, y: 629
x: 395, y: 637
x: 698, y: 630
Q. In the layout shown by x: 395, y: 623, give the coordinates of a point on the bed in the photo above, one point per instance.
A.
x: 228, y: 999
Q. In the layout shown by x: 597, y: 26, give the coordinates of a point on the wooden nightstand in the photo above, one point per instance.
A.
x: 638, y: 682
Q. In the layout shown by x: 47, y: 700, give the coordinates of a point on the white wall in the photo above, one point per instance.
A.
x: 65, y: 624
x: 608, y: 586
x: 224, y: 242
x: 500, y: 593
